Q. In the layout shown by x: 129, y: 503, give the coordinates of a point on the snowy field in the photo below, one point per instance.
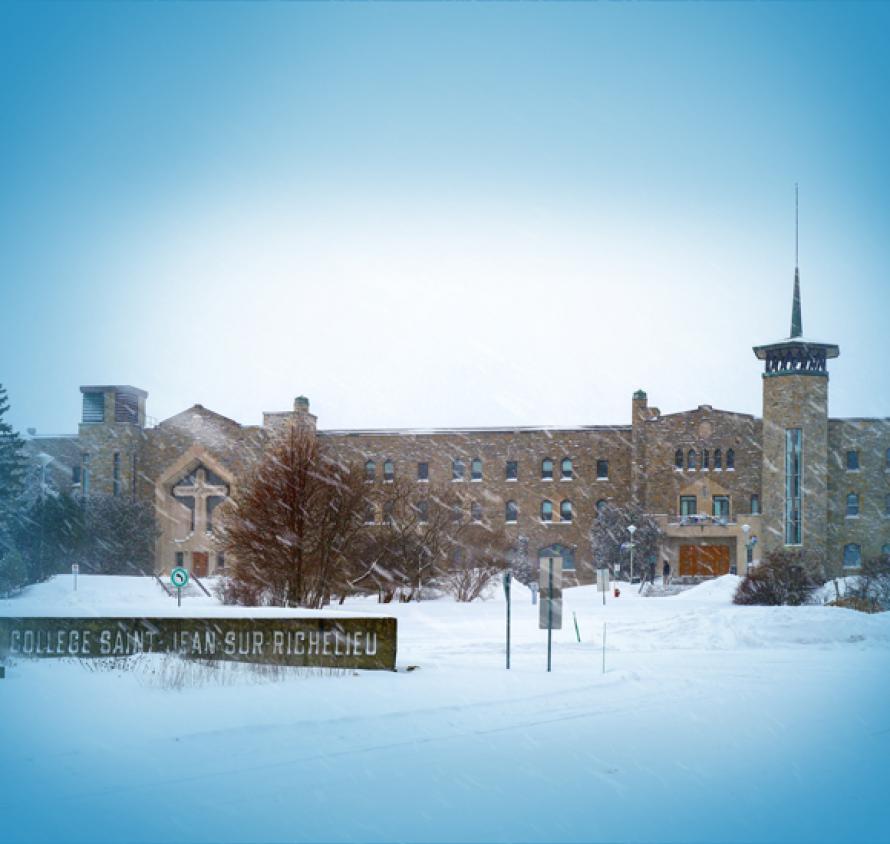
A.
x: 712, y: 723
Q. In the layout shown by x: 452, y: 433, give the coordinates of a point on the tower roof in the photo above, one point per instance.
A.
x: 796, y: 318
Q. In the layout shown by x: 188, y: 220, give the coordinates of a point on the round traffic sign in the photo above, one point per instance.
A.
x: 179, y: 577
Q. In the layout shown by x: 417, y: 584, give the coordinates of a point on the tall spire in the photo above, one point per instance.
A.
x: 796, y: 319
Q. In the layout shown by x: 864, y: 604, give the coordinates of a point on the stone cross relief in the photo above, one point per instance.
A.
x: 196, y: 495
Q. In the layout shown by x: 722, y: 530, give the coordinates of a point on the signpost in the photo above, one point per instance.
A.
x: 507, y: 579
x: 179, y: 577
x: 75, y: 570
x: 550, y: 613
x: 602, y: 582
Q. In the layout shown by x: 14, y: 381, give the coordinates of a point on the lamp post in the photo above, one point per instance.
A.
x: 631, y: 529
x: 749, y: 547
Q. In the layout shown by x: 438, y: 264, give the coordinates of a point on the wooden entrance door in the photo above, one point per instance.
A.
x: 704, y: 560
x: 200, y: 563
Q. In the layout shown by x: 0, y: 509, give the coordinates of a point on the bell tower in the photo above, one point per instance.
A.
x: 795, y: 437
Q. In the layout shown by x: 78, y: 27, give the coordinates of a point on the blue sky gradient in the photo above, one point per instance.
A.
x: 438, y: 214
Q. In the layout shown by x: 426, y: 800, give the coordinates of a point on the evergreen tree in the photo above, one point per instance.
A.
x: 12, y: 474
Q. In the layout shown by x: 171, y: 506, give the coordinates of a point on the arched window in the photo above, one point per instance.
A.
x: 511, y: 512
x: 370, y: 470
x: 388, y: 471
x: 458, y: 470
x: 690, y: 459
x: 565, y: 511
x: 705, y: 459
x: 678, y: 458
x: 546, y: 510
x: 730, y: 459
x: 566, y: 468
x: 852, y: 556
x: 718, y: 458
x: 476, y: 511
x: 546, y: 469
x: 600, y: 505
x: 476, y: 469
x: 852, y: 504
x: 602, y: 470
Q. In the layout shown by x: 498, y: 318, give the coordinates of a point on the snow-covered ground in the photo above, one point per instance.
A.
x: 711, y: 723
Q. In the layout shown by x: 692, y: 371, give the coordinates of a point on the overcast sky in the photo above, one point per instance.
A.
x: 438, y: 214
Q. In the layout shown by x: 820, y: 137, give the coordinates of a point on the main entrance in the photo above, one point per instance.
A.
x: 704, y: 560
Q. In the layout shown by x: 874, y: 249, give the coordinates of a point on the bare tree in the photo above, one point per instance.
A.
x: 781, y: 578
x: 609, y: 537
x: 426, y: 538
x: 294, y: 527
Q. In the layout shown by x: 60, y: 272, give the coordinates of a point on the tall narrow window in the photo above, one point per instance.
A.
x: 389, y: 471
x: 690, y: 459
x: 75, y: 475
x: 458, y: 470
x: 718, y: 458
x: 852, y: 556
x: 852, y: 461
x: 547, y: 469
x: 370, y: 470
x: 546, y: 510
x: 85, y: 474
x: 457, y: 513
x: 476, y: 511
x: 755, y: 505
x: 476, y: 470
x: 565, y: 511
x: 389, y: 513
x: 423, y: 511
x: 511, y: 512
x: 511, y: 472
x: 566, y: 468
x: 116, y: 473
x: 423, y: 471
x: 730, y: 458
x: 887, y: 504
x: 602, y: 470
x: 887, y: 460
x: 793, y: 472
x: 705, y: 459
x: 852, y: 505
x: 885, y: 550
x: 180, y: 558
x: 678, y: 458
x: 370, y: 515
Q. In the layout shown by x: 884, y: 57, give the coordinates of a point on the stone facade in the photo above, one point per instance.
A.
x: 715, y: 480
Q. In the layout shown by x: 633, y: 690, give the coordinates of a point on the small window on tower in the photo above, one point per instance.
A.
x: 852, y: 505
x: 93, y: 407
x: 852, y: 461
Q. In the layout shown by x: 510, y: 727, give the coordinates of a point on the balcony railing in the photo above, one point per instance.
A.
x: 702, y: 519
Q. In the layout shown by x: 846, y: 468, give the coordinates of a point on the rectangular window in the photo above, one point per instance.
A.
x: 458, y: 470
x: 116, y: 473
x: 75, y: 475
x: 126, y: 408
x: 793, y: 474
x: 423, y: 471
x: 852, y: 556
x: 852, y: 461
x: 688, y: 505
x: 755, y: 505
x: 602, y: 470
x: 220, y: 561
x: 720, y: 506
x: 180, y: 558
x: 512, y: 472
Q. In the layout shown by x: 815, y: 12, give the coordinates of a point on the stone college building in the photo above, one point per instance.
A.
x: 722, y: 485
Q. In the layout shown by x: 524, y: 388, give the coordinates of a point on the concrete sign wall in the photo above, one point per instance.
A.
x: 322, y: 642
